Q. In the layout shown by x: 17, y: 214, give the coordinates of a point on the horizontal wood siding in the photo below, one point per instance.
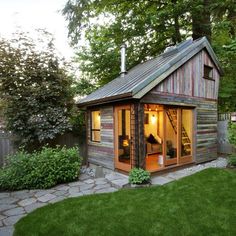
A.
x: 206, y: 145
x: 188, y: 79
x: 205, y: 126
x: 102, y: 153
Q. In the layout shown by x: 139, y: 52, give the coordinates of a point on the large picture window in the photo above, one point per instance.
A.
x: 95, y: 126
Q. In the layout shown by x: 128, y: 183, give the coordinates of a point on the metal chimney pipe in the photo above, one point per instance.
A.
x: 123, y: 60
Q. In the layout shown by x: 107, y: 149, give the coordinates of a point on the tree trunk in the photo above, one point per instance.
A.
x: 177, y: 36
x: 201, y: 22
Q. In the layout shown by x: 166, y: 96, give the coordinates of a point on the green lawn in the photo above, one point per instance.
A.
x: 201, y: 204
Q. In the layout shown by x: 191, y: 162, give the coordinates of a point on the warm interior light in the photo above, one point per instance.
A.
x: 149, y: 109
x: 125, y: 143
x: 153, y: 119
x: 98, y: 117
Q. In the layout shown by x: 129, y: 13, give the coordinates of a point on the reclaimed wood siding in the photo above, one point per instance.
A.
x: 188, y: 79
x: 205, y: 125
x: 206, y: 145
x: 102, y: 153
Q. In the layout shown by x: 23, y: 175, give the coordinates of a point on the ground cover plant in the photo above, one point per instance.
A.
x: 41, y: 169
x: 201, y: 204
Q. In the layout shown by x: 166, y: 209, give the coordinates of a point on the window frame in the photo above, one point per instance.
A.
x: 210, y: 68
x: 91, y: 126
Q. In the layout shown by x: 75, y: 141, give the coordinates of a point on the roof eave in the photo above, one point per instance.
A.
x: 105, y: 100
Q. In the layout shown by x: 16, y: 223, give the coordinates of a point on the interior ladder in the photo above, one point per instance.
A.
x: 185, y: 140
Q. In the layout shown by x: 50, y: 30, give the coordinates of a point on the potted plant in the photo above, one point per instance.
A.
x: 139, y: 177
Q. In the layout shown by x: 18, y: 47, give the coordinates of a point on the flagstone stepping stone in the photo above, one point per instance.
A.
x: 4, y: 207
x: 62, y: 187
x: 14, y: 211
x: 76, y: 194
x: 43, y: 192
x: 27, y: 201
x: 2, y: 217
x: 57, y: 199
x: 77, y: 183
x: 34, y: 206
x: 160, y: 180
x: 46, y: 198
x: 106, y: 190
x: 88, y: 192
x: 60, y: 193
x: 101, y: 186
x: 8, y: 200
x: 4, y: 195
x: 74, y: 190
x: 6, y: 231
x: 12, y: 219
x: 89, y: 181
x: 86, y: 186
x: 22, y: 194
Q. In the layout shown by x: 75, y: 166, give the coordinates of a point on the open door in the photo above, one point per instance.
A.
x: 122, y: 138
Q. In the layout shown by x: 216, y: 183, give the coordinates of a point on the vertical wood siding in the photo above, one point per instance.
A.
x: 102, y: 153
x: 188, y: 79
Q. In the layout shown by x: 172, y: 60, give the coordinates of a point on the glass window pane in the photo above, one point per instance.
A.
x: 124, y: 135
x: 186, y: 132
x: 95, y: 126
x: 96, y: 120
x: 171, y: 133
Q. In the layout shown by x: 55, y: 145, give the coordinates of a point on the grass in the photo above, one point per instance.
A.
x: 201, y: 204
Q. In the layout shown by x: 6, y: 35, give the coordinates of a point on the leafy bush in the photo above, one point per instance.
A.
x: 232, y: 133
x: 139, y: 176
x: 42, y: 169
x: 232, y: 160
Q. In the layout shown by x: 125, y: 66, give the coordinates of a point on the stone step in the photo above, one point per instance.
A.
x: 117, y: 180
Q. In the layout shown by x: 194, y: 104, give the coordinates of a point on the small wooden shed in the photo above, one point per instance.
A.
x: 160, y: 114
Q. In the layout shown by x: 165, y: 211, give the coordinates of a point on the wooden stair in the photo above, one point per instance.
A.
x: 185, y: 140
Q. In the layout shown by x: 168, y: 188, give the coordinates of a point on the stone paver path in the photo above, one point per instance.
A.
x: 169, y: 177
x: 15, y: 205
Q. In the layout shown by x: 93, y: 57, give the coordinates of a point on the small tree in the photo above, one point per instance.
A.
x: 35, y: 88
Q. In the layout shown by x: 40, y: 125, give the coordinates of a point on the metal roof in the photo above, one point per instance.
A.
x: 143, y: 77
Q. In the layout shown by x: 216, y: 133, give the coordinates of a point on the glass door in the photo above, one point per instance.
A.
x: 122, y: 138
x: 186, y: 135
x: 171, y: 135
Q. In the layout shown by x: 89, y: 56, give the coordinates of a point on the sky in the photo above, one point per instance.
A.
x: 33, y: 14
